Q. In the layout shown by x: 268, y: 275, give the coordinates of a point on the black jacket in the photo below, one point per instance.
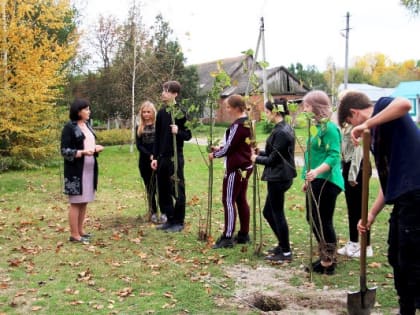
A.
x: 279, y: 154
x: 163, y: 146
x: 72, y: 139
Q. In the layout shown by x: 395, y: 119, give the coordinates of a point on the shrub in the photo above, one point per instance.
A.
x: 113, y: 137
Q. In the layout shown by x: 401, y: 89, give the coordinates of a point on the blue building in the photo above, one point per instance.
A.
x: 411, y: 91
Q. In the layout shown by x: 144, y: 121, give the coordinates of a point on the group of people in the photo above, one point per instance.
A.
x: 160, y: 135
x: 332, y: 164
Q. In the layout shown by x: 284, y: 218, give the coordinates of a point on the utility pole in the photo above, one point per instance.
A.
x: 264, y: 60
x: 346, y: 64
x: 333, y: 92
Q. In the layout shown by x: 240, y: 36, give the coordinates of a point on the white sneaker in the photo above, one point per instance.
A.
x: 369, y: 252
x: 343, y: 250
x: 163, y: 218
x: 353, y: 249
x: 154, y: 218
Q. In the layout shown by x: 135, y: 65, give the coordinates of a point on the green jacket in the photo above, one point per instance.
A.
x: 325, y: 147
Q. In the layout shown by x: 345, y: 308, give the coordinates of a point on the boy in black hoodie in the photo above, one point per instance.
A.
x: 170, y: 123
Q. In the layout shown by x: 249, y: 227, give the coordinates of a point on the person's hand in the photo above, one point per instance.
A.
x: 174, y: 129
x: 356, y: 133
x: 214, y: 148
x: 311, y: 175
x: 99, y: 148
x: 352, y: 183
x: 305, y: 187
x: 253, y: 158
x: 364, y: 228
x: 87, y: 152
x: 154, y: 164
x: 211, y: 156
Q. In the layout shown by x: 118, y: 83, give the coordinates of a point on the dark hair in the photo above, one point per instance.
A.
x: 351, y: 100
x: 274, y: 105
x: 236, y: 101
x: 172, y: 86
x: 76, y: 107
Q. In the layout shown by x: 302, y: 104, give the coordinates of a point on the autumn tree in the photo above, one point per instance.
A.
x: 378, y: 69
x: 106, y: 38
x: 141, y: 60
x: 38, y: 38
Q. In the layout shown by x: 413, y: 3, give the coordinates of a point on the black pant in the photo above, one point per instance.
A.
x: 404, y: 249
x: 274, y: 212
x: 149, y: 179
x: 353, y: 196
x: 166, y: 189
x: 325, y: 195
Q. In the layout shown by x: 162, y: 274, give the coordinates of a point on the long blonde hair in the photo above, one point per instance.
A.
x: 142, y: 123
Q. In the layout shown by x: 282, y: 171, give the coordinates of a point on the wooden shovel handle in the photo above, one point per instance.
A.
x: 365, y: 204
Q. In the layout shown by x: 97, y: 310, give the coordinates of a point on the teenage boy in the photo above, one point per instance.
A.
x: 170, y: 122
x: 396, y: 149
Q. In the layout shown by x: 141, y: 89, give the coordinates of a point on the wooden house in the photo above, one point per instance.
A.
x: 280, y: 83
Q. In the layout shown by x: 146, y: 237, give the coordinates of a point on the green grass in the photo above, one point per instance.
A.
x: 130, y: 267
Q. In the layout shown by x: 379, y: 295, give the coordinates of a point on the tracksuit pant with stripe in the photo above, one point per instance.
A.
x: 235, y: 185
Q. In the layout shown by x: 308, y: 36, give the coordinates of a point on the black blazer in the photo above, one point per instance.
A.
x: 72, y: 139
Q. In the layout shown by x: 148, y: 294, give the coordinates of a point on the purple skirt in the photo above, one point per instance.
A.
x: 88, y: 193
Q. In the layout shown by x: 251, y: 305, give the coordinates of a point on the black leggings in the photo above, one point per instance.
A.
x: 353, y: 196
x: 274, y: 212
x: 325, y: 195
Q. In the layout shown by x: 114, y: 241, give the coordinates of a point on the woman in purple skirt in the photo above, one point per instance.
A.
x: 79, y: 150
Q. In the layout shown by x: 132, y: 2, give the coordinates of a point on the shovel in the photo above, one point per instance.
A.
x: 361, y: 303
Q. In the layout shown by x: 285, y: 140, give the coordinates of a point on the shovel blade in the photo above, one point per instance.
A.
x: 361, y: 303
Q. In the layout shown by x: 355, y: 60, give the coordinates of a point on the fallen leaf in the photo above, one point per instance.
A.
x: 168, y: 295
x: 375, y: 265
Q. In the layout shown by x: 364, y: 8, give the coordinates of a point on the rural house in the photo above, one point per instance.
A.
x: 280, y: 83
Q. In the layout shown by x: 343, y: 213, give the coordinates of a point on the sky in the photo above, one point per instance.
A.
x: 306, y: 31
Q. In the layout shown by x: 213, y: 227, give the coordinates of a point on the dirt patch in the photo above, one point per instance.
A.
x: 268, y: 289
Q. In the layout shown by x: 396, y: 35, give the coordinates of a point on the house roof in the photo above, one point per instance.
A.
x: 230, y: 65
x: 279, y: 79
x: 409, y: 89
x: 373, y: 92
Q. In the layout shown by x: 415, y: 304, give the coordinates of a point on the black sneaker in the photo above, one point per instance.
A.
x: 223, y: 242
x: 164, y: 226
x: 242, y: 238
x: 275, y: 250
x: 82, y: 240
x: 279, y: 258
x: 175, y: 228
